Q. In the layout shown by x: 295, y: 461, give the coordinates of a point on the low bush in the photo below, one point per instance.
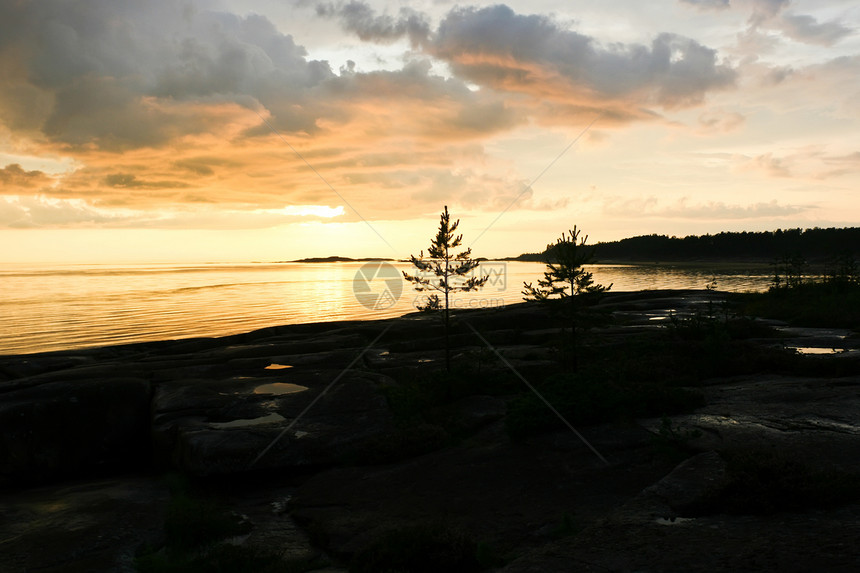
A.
x: 823, y: 304
x: 766, y: 482
x: 591, y: 398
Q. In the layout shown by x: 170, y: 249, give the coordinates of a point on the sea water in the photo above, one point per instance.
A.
x: 60, y: 307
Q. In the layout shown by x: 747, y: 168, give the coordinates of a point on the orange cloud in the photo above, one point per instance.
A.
x: 163, y: 110
x: 13, y: 179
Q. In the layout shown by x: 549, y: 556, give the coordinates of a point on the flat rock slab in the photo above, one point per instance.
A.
x: 61, y: 429
x: 223, y: 427
x: 643, y: 536
x: 80, y: 527
x: 510, y: 495
x: 794, y: 543
x: 814, y: 419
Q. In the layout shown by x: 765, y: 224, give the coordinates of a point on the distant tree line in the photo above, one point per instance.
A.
x: 814, y: 245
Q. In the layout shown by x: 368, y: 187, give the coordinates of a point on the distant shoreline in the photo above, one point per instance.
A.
x: 337, y: 259
x: 831, y: 246
x: 751, y: 261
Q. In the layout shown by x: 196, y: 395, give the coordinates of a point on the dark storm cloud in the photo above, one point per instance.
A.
x: 506, y: 50
x: 498, y: 48
x: 152, y: 98
x: 119, y: 75
x: 116, y: 72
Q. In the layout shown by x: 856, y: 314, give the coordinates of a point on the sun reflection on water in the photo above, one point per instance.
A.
x: 78, y: 306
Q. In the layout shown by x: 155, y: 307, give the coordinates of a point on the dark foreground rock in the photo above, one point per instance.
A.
x: 510, y: 496
x: 644, y: 534
x: 261, y: 430
x: 81, y: 526
x: 314, y: 436
x: 69, y: 428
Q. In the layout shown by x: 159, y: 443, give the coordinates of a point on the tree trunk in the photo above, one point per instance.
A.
x: 574, y: 362
x: 447, y: 317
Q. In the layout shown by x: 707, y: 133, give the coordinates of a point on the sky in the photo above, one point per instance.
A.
x: 267, y: 130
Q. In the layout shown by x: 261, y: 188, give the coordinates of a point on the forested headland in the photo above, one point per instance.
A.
x: 814, y: 245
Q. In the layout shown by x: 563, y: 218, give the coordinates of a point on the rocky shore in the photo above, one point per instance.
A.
x: 301, y: 432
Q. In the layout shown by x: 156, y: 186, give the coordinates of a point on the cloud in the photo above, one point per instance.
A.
x: 807, y: 29
x: 719, y: 210
x: 159, y: 105
x: 362, y: 20
x: 22, y: 212
x: 838, y: 166
x: 119, y: 74
x: 14, y: 178
x: 708, y: 4
x: 38, y: 211
x: 718, y: 120
x: 532, y: 54
x: 684, y: 209
x: 129, y: 181
x: 773, y: 166
x: 764, y: 10
x: 197, y: 166
x: 811, y: 163
x: 771, y: 14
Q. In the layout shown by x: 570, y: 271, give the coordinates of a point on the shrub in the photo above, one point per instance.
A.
x: 589, y: 398
x: 765, y: 482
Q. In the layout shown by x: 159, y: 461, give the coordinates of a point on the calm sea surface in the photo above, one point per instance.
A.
x: 75, y: 306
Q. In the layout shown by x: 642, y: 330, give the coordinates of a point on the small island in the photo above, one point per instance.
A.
x: 337, y: 259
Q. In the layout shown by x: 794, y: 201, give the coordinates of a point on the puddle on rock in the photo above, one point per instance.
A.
x: 271, y: 418
x: 279, y: 388
x: 277, y: 367
x: 818, y: 350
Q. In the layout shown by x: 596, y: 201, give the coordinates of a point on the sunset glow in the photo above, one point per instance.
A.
x: 260, y: 130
